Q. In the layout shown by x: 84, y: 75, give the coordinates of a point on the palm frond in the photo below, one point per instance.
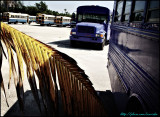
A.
x: 78, y: 95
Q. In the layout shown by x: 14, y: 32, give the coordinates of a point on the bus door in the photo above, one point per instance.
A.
x: 5, y: 17
x: 37, y: 19
x: 42, y: 19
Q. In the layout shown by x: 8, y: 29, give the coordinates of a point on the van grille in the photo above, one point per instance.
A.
x: 86, y: 29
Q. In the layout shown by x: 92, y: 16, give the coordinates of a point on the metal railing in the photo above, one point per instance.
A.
x: 78, y: 95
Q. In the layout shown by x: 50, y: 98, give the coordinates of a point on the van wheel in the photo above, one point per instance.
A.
x: 106, y: 41
x: 100, y: 46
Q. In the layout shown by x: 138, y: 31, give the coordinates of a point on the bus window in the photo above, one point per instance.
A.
x: 153, y: 12
x: 138, y: 10
x: 127, y: 11
x: 118, y: 11
x: 49, y: 18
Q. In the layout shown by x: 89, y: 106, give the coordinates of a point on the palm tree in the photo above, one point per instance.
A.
x: 65, y: 11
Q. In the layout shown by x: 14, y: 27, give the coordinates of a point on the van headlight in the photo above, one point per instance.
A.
x: 73, y: 33
x: 99, y: 35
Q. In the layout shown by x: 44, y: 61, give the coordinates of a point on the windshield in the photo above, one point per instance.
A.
x: 95, y: 18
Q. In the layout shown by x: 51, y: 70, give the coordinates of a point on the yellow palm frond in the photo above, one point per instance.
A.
x: 78, y: 95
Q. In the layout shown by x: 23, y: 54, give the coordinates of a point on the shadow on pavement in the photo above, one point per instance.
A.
x: 31, y: 108
x: 108, y: 101
x: 80, y: 46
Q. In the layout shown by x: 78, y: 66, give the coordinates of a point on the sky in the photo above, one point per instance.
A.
x: 71, y: 6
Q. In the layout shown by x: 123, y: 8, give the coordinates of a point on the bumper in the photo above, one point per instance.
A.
x: 86, y: 39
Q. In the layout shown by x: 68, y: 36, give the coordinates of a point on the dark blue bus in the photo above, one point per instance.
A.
x: 133, y: 57
x: 92, y: 25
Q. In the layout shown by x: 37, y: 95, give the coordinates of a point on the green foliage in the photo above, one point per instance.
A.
x: 40, y: 7
x: 49, y: 12
x: 3, y: 9
x: 55, y: 13
x: 31, y: 10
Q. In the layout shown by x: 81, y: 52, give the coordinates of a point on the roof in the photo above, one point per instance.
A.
x: 46, y: 15
x: 93, y: 9
x: 23, y: 14
x: 64, y: 17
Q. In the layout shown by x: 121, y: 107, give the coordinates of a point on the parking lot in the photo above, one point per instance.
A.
x: 90, y: 59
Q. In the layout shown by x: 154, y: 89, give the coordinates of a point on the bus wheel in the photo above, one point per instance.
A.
x: 134, y: 105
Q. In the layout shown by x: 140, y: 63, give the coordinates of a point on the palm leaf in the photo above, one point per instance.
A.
x: 78, y: 95
x: 1, y: 79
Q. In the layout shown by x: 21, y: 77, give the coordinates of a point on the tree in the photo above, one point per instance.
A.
x: 55, y: 13
x: 49, y: 12
x: 19, y: 4
x: 32, y: 10
x: 65, y: 11
x: 42, y: 7
x: 73, y: 17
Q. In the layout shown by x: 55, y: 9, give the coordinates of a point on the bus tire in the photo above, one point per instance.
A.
x: 134, y: 105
